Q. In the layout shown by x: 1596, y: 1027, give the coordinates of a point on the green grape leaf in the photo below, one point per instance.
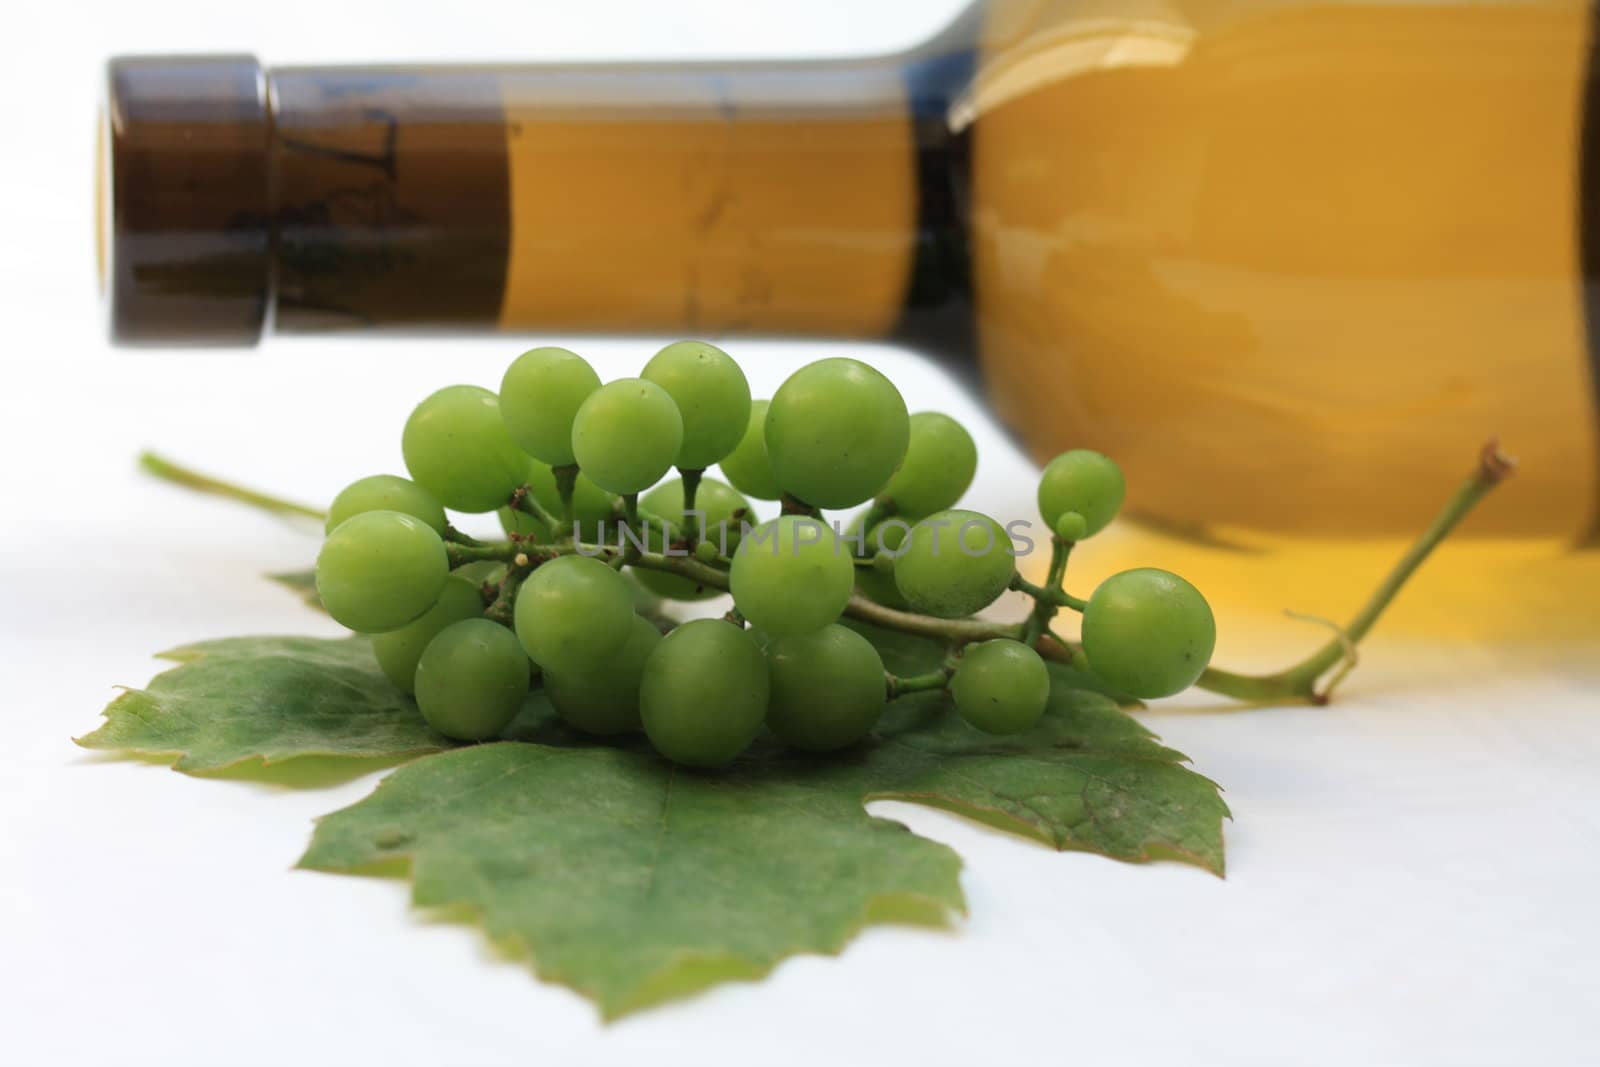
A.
x: 1087, y: 777
x: 635, y: 882
x: 303, y: 584
x: 266, y: 699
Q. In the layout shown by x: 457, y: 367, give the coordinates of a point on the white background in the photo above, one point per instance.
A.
x: 1412, y: 872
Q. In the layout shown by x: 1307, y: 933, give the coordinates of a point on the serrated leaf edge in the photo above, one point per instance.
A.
x: 654, y: 987
x: 184, y: 761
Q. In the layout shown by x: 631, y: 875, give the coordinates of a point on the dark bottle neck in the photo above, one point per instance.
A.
x: 939, y: 315
x: 825, y: 198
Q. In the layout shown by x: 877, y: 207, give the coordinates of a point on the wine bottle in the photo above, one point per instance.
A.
x: 1289, y: 262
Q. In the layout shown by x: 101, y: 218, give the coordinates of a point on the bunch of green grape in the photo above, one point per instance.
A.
x: 598, y: 527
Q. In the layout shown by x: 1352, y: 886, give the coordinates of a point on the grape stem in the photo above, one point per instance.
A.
x: 1048, y: 597
x: 792, y: 506
x: 691, y: 486
x: 566, y: 484
x: 1050, y: 594
x: 522, y: 500
x: 169, y: 471
x: 496, y: 552
x: 453, y: 536
x: 879, y: 510
x: 1299, y: 682
x: 501, y: 608
x: 916, y: 683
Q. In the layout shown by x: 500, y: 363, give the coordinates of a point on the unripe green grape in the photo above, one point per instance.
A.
x: 835, y: 432
x: 705, y: 552
x: 712, y: 396
x: 381, y: 569
x: 471, y: 680
x: 605, y: 699
x: 1081, y: 481
x: 827, y: 688
x: 1001, y: 686
x: 385, y: 492
x: 879, y: 588
x: 398, y: 651
x: 954, y: 563
x: 539, y: 397
x: 885, y: 540
x: 627, y: 435
x: 1071, y: 527
x: 456, y: 446
x: 704, y: 693
x: 791, y: 575
x: 573, y: 613
x: 1148, y: 633
x: 747, y: 467
x: 941, y: 459
x: 644, y: 601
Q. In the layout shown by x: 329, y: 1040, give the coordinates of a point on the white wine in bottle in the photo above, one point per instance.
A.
x: 1290, y: 262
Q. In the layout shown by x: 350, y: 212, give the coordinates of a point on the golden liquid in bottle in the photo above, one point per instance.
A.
x: 1286, y: 261
x: 1290, y: 264
x: 1289, y: 260
x: 710, y: 205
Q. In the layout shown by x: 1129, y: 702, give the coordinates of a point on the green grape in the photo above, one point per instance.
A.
x: 627, y: 435
x: 592, y: 506
x: 835, y: 432
x: 1071, y: 527
x: 456, y: 446
x: 722, y: 506
x: 399, y: 650
x: 1001, y: 686
x: 1148, y: 633
x: 539, y: 397
x: 704, y: 693
x: 385, y: 492
x: 1081, y: 481
x: 605, y: 699
x: 705, y: 552
x: 573, y: 612
x: 381, y: 569
x: 941, y: 459
x: 827, y: 688
x: 885, y: 540
x: 791, y: 575
x: 879, y: 588
x: 954, y: 563
x: 747, y: 467
x: 712, y: 396
x: 471, y: 680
